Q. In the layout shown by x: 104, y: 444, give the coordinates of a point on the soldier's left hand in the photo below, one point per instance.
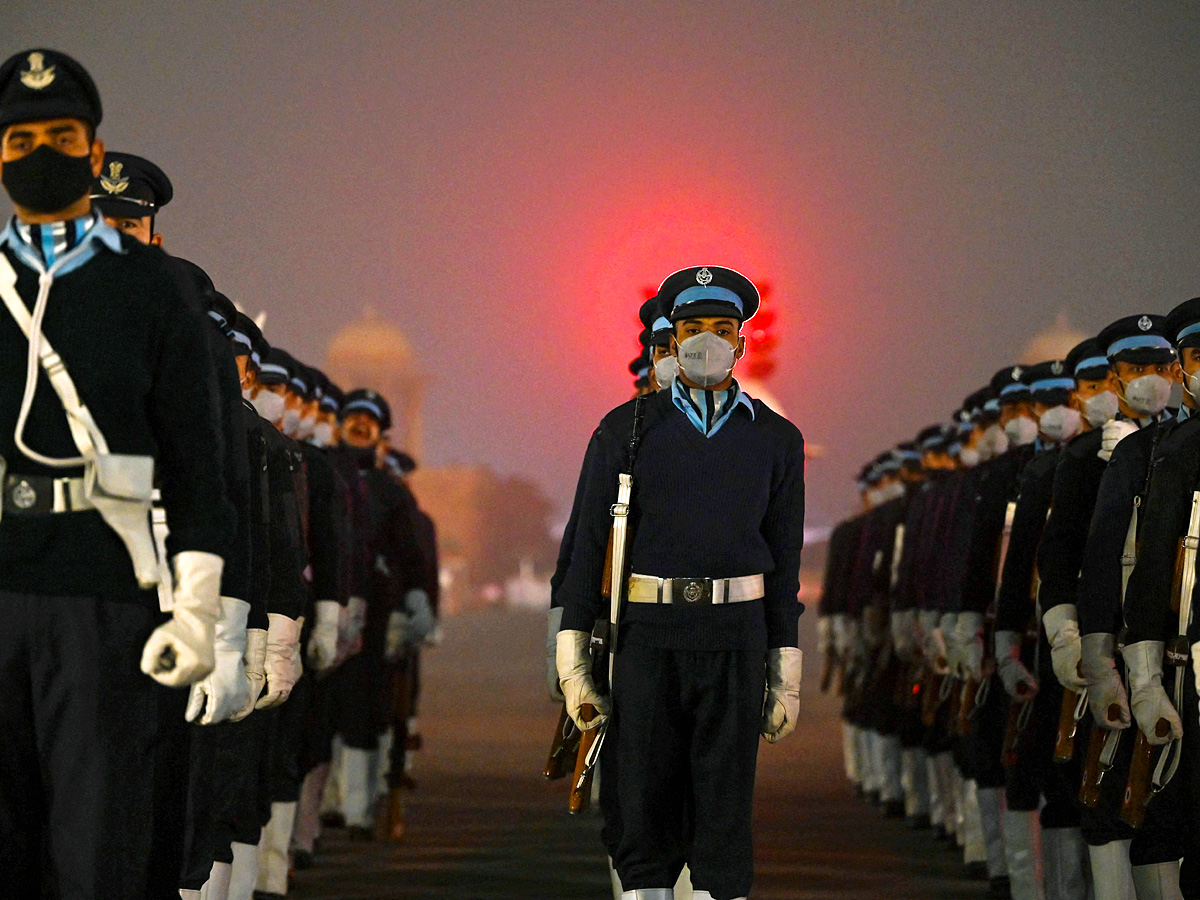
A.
x: 785, y: 667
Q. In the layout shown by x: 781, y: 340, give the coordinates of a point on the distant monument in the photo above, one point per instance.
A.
x: 375, y: 353
x: 1053, y: 343
x: 491, y: 530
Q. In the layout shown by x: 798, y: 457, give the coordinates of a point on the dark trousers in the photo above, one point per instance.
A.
x: 677, y: 781
x: 76, y: 765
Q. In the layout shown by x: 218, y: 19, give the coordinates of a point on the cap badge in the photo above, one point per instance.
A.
x: 703, y: 276
x: 113, y: 182
x: 1145, y: 324
x: 1017, y: 372
x: 37, y: 76
x: 1056, y: 367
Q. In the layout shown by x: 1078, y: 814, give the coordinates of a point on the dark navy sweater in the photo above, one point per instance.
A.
x: 703, y: 507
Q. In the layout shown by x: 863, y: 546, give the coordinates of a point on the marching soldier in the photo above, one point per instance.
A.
x: 1142, y: 368
x: 128, y: 363
x: 1035, y: 783
x: 1165, y: 707
x: 712, y: 614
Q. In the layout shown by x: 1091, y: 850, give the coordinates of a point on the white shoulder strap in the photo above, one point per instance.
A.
x: 87, y: 435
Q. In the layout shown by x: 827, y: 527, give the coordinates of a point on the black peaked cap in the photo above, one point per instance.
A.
x: 43, y: 84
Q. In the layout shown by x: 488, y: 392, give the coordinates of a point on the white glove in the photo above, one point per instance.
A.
x: 825, y: 635
x: 1018, y: 681
x: 1196, y: 665
x: 180, y: 651
x: 351, y: 624
x: 323, y: 642
x: 223, y: 692
x: 420, y: 617
x: 1062, y: 631
x: 785, y: 665
x: 927, y: 623
x: 904, y: 630
x: 968, y: 638
x: 282, y: 664
x: 254, y: 662
x: 1106, y: 695
x: 575, y: 678
x: 842, y: 638
x: 396, y: 635
x: 553, y: 623
x: 946, y: 625
x: 1115, y: 431
x: 1144, y: 663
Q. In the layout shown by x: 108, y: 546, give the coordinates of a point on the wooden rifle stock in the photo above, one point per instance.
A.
x: 1064, y: 741
x: 561, y: 759
x: 931, y: 690
x: 827, y: 672
x: 1016, y: 731
x: 966, y: 707
x: 581, y: 784
x: 1093, y: 769
x: 1137, y: 788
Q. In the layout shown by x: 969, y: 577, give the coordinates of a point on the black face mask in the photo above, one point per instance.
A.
x: 46, y: 181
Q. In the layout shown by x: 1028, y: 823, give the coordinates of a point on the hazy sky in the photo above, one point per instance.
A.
x: 923, y: 186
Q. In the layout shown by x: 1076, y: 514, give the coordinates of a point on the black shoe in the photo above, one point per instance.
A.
x: 998, y: 888
x: 302, y: 859
x: 920, y: 823
x: 893, y: 809
x: 333, y: 820
x: 977, y: 871
x: 359, y: 833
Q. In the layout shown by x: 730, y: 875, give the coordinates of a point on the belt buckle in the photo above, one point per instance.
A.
x: 21, y: 494
x: 693, y: 590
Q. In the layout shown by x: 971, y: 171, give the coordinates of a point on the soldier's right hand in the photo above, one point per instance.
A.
x: 574, y: 665
x: 1106, y: 694
x: 1018, y: 681
x: 1062, y: 631
x: 255, y: 661
x: 1144, y: 661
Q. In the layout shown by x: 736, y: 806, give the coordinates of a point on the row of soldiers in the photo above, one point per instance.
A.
x: 1010, y: 619
x: 213, y: 576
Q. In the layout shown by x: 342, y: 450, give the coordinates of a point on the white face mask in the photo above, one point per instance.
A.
x: 895, y: 490
x: 269, y: 405
x: 1060, y: 423
x: 1147, y: 395
x: 665, y: 371
x: 304, y: 428
x: 291, y: 422
x: 969, y: 457
x: 1100, y: 408
x: 1191, y: 384
x: 705, y: 359
x: 993, y: 443
x: 1021, y: 431
x: 322, y: 434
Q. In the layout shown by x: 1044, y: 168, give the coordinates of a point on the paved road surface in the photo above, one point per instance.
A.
x: 483, y: 825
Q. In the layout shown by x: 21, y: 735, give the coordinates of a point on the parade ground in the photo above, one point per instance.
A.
x: 484, y: 825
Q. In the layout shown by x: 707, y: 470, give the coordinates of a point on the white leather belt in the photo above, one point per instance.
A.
x: 649, y: 589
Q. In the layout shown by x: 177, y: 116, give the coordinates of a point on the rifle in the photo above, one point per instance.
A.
x: 1163, y: 759
x: 1073, y: 705
x: 1017, y: 736
x: 614, y: 581
x: 975, y: 694
x: 590, y: 741
x: 563, y: 749
x: 1102, y: 751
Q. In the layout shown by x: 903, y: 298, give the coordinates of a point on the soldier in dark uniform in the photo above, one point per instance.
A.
x: 1154, y: 694
x: 718, y: 500
x: 143, y: 398
x: 1142, y: 368
x: 1059, y: 557
x: 1036, y: 783
x: 129, y: 193
x: 395, y: 615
